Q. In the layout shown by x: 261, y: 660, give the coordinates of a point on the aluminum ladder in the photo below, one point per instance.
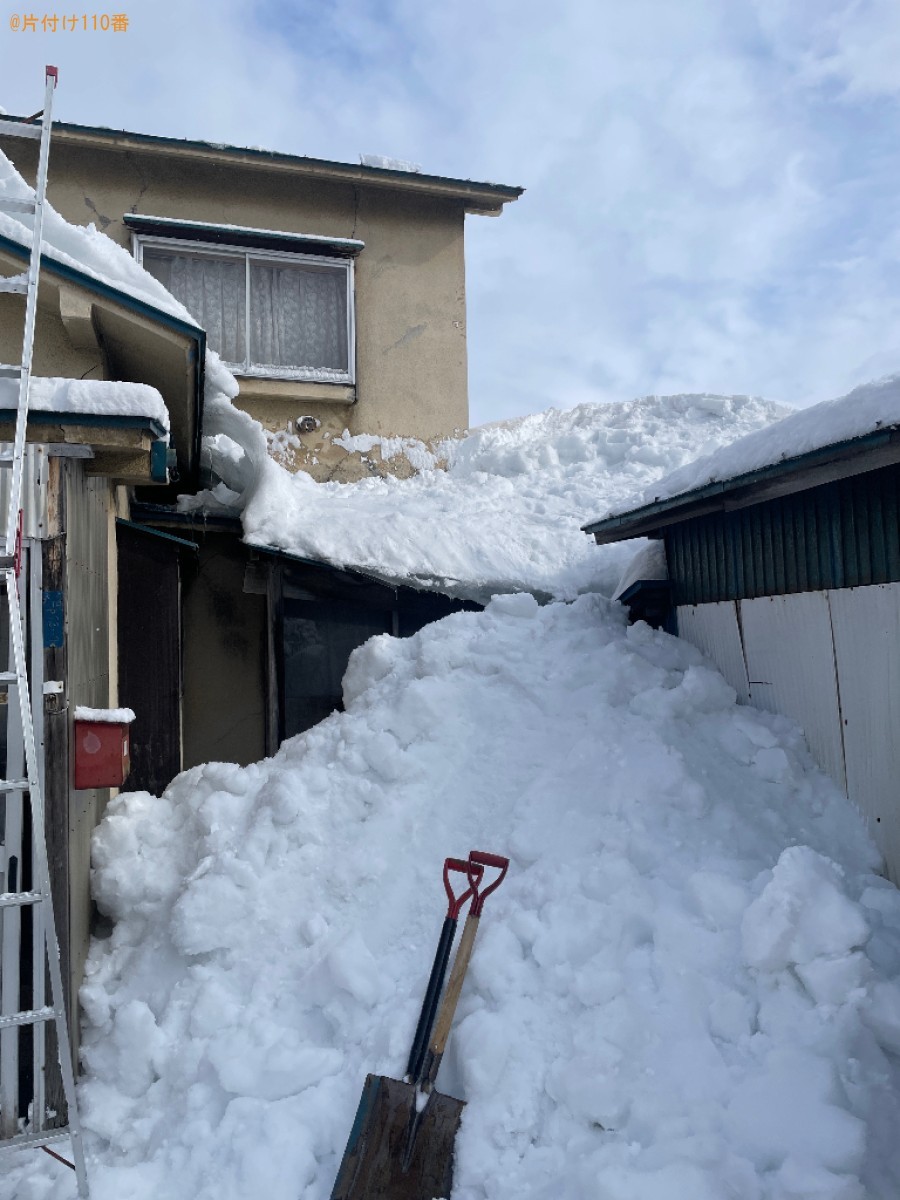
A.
x: 24, y: 821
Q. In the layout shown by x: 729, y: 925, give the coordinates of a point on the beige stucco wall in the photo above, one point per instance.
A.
x: 54, y: 353
x: 410, y: 280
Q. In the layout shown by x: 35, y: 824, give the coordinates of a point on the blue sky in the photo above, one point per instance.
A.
x: 713, y: 196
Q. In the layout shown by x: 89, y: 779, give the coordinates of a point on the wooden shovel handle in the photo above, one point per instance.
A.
x: 451, y: 997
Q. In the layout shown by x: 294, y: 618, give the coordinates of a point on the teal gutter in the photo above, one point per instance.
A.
x: 40, y: 416
x: 133, y: 304
x: 714, y: 496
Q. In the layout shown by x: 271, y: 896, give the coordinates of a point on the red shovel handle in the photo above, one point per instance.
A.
x: 455, y: 903
x: 478, y: 860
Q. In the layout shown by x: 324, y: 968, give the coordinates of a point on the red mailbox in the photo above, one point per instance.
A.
x: 102, y: 743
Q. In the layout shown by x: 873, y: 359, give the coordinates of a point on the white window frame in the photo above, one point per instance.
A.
x: 226, y: 250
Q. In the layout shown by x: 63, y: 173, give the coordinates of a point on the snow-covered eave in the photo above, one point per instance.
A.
x: 162, y: 515
x: 100, y: 287
x: 838, y: 460
x: 63, y: 272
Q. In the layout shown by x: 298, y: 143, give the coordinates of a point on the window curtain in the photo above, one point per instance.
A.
x: 298, y: 316
x: 213, y: 290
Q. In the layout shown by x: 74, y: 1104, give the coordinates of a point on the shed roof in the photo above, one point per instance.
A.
x: 486, y: 198
x: 856, y: 433
x: 839, y: 460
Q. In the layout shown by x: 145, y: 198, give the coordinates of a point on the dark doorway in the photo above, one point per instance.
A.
x: 150, y: 653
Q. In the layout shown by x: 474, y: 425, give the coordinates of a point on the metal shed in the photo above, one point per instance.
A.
x: 788, y: 578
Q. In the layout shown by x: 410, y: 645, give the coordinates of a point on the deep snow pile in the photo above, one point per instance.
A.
x: 866, y: 409
x: 687, y: 989
x: 506, y: 513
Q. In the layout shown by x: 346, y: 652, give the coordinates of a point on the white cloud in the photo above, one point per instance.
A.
x: 711, y: 197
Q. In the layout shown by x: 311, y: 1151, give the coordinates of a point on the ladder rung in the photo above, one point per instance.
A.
x: 14, y: 785
x: 19, y: 899
x: 9, y: 204
x: 9, y: 371
x: 8, y: 677
x: 20, y: 129
x: 14, y: 286
x: 44, y: 1138
x: 33, y: 1016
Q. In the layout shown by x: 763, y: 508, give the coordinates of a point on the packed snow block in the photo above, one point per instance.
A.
x: 102, y: 749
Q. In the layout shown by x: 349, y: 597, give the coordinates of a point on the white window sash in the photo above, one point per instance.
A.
x: 248, y: 253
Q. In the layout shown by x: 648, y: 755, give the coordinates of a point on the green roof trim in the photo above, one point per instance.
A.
x: 102, y: 288
x: 41, y: 416
x: 836, y: 460
x: 134, y: 304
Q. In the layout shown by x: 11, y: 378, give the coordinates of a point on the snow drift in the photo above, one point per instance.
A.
x: 867, y: 409
x: 507, y: 512
x: 687, y: 987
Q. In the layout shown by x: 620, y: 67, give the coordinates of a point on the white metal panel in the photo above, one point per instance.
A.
x: 34, y: 487
x: 866, y: 625
x: 714, y: 629
x: 791, y: 670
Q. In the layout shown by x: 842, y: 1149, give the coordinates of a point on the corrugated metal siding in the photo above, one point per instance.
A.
x: 842, y: 534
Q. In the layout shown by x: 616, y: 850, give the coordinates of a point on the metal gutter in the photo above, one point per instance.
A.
x: 168, y: 537
x: 164, y: 514
x: 825, y: 464
x: 492, y: 196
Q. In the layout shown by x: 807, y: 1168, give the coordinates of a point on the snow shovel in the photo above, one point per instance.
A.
x: 401, y: 1143
x: 455, y: 906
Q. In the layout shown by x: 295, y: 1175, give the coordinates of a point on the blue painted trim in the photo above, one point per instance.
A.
x: 53, y: 618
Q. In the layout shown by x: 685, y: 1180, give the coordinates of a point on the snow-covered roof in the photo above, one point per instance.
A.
x: 843, y: 424
x: 503, y: 516
x: 88, y: 258
x: 85, y: 249
x: 94, y: 397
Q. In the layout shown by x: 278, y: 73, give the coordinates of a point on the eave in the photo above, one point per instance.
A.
x: 485, y: 198
x: 114, y: 312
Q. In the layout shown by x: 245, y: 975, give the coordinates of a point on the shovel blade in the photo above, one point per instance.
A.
x: 393, y: 1152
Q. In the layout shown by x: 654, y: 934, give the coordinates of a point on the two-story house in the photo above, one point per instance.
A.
x: 335, y: 294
